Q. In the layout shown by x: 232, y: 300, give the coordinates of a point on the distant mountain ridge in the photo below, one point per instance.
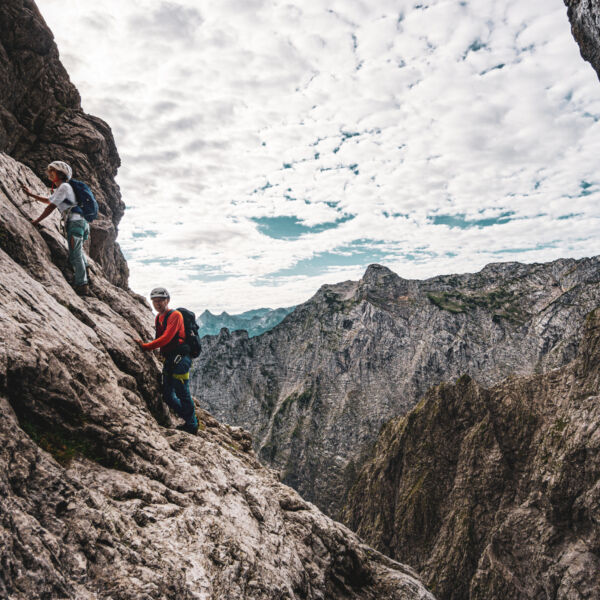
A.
x: 255, y: 322
x: 315, y: 390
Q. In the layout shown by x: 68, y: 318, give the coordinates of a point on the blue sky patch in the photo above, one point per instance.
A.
x: 531, y: 249
x: 324, y: 261
x: 144, y: 234
x: 585, y: 188
x: 363, y: 254
x: 290, y: 228
x: 161, y: 261
x: 463, y: 223
x: 497, y: 67
x: 395, y: 215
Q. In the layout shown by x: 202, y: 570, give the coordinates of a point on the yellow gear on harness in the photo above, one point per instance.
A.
x: 182, y: 377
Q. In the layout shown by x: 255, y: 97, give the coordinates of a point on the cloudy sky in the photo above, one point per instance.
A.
x: 270, y: 146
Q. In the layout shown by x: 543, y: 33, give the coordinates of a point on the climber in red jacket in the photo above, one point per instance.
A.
x: 170, y: 339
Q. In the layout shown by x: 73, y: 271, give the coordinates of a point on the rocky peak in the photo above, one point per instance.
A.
x: 377, y: 275
x: 316, y: 389
x: 381, y: 286
x: 376, y: 281
x: 41, y: 120
x: 255, y: 322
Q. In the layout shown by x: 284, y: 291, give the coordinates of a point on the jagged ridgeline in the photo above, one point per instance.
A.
x: 255, y: 321
x: 97, y: 499
x: 316, y: 389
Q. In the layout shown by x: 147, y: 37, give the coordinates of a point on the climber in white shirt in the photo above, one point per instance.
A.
x: 78, y: 229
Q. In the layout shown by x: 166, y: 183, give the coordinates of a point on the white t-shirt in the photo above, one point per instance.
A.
x: 64, y: 199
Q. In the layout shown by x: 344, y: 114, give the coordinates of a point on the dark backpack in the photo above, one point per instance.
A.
x: 192, y: 341
x: 86, y: 203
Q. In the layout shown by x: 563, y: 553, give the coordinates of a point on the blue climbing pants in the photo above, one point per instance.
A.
x: 176, y: 387
x: 77, y: 233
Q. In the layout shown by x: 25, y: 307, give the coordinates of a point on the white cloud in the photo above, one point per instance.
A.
x: 233, y: 110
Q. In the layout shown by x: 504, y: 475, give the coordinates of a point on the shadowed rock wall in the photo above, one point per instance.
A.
x: 41, y: 120
x: 494, y: 493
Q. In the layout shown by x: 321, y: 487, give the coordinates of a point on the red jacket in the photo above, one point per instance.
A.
x: 170, y: 338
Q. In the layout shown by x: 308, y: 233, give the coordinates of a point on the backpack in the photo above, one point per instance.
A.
x: 86, y: 203
x: 192, y: 341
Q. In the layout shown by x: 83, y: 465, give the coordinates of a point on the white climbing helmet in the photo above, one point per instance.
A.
x: 62, y: 167
x: 159, y: 292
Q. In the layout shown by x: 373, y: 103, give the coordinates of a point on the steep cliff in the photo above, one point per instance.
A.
x: 494, y: 493
x: 41, y: 120
x: 98, y: 498
x: 585, y: 26
x: 315, y: 390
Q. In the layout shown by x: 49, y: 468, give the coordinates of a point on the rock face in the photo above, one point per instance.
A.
x: 41, y: 120
x: 255, y: 322
x: 585, y: 26
x: 98, y: 499
x: 494, y: 493
x: 315, y: 390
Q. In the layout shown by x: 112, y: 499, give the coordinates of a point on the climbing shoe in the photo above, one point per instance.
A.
x: 83, y: 290
x: 193, y: 429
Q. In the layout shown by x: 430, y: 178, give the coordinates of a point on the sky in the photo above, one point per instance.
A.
x: 269, y: 147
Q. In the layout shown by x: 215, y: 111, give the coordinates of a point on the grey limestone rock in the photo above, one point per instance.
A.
x: 99, y: 497
x: 41, y: 120
x: 315, y: 390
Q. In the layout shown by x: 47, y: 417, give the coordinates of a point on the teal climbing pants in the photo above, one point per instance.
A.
x: 77, y: 233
